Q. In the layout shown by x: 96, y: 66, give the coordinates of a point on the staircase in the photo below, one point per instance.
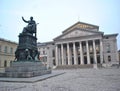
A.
x: 74, y: 66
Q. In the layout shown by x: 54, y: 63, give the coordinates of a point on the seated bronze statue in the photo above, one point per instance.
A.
x: 31, y: 27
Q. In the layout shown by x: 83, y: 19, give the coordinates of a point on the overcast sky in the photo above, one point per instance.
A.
x: 54, y: 16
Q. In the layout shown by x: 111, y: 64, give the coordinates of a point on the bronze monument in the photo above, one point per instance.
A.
x: 27, y: 48
x: 26, y: 63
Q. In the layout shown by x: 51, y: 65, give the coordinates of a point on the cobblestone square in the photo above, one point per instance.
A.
x: 72, y: 80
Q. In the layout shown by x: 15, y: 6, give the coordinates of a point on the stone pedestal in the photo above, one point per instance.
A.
x: 25, y: 69
x: 26, y: 62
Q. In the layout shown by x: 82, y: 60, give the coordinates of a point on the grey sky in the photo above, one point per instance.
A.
x: 54, y: 16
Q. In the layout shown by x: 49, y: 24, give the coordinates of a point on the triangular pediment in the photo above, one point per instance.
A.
x: 77, y: 33
x: 81, y: 25
x: 78, y: 30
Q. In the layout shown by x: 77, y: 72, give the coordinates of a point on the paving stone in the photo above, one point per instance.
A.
x: 72, y: 80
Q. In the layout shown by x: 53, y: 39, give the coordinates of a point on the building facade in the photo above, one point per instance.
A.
x: 47, y: 53
x: 119, y: 56
x: 83, y: 43
x: 7, y: 52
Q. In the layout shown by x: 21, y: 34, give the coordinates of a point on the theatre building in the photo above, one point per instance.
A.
x: 82, y: 44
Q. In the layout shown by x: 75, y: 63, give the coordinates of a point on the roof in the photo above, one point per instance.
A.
x: 87, y: 24
x: 80, y: 26
x: 107, y: 35
x: 44, y: 43
x: 99, y: 32
x: 2, y: 39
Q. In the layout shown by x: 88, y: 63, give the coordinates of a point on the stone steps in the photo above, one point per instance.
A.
x: 76, y: 66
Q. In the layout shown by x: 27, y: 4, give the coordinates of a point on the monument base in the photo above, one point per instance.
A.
x: 25, y: 69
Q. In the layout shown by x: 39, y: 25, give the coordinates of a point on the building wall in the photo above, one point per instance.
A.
x: 119, y: 55
x: 46, y: 53
x: 110, y: 49
x: 110, y: 54
x: 7, y: 50
x: 69, y: 46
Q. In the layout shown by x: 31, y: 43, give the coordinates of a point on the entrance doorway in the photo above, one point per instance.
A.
x: 98, y: 59
x: 91, y: 60
x: 85, y: 60
x: 78, y: 60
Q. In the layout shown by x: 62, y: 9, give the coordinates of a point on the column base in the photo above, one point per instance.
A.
x: 95, y: 66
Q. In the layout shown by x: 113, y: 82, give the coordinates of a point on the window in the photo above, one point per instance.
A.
x: 107, y: 37
x: 11, y: 50
x: 44, y: 59
x: 53, y: 53
x: 109, y: 58
x: 5, y: 50
x: 108, y: 48
x: 5, y: 63
x: 43, y: 52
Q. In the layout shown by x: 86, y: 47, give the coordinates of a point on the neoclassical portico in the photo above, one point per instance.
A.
x: 79, y: 52
x: 79, y: 45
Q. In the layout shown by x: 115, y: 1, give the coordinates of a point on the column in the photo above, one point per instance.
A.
x: 88, y: 54
x: 56, y: 53
x: 81, y: 53
x: 59, y: 56
x: 95, y: 58
x: 68, y: 53
x: 101, y: 51
x: 75, y: 55
x: 62, y: 54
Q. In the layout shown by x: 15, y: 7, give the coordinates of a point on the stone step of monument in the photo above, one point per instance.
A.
x: 26, y: 63
x: 25, y: 69
x: 25, y: 74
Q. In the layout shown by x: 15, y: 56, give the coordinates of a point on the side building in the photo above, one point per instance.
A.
x: 47, y: 53
x: 82, y: 44
x: 119, y: 56
x: 7, y: 52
